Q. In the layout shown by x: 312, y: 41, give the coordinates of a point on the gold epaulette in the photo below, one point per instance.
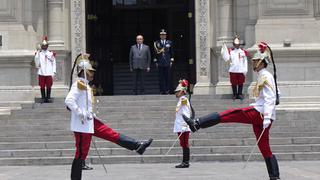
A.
x: 81, y: 85
x: 184, y: 101
x: 263, y: 81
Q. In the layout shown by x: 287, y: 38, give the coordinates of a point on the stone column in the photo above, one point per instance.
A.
x: 225, y: 35
x: 225, y: 21
x: 55, y: 24
x: 202, y: 13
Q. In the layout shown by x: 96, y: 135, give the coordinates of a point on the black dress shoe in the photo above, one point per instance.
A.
x: 143, y: 146
x: 183, y: 165
x: 86, y: 167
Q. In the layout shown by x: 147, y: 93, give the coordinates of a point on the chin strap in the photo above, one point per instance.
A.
x: 274, y: 76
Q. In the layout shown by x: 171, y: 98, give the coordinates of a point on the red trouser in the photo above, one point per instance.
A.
x: 237, y: 78
x: 184, y: 139
x: 45, y: 81
x: 83, y: 140
x: 249, y: 115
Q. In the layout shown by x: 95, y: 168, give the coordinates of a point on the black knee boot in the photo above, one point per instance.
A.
x: 185, y: 159
x: 132, y: 144
x: 234, y: 92
x: 76, y: 169
x: 48, y: 98
x: 43, y: 95
x: 240, y: 95
x: 202, y: 122
x: 273, y: 168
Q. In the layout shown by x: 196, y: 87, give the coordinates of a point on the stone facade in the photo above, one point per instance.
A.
x: 291, y: 27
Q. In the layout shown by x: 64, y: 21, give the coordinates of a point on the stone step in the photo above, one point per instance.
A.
x: 156, y: 158
x: 69, y: 137
x: 305, y: 141
x: 222, y: 129
x: 156, y: 151
x: 12, y: 131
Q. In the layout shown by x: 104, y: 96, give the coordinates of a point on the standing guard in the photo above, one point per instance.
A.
x: 238, y: 59
x: 260, y: 114
x: 164, y: 60
x: 85, y: 123
x: 45, y: 62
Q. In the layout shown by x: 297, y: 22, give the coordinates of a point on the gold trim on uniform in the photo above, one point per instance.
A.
x: 184, y: 102
x: 158, y: 50
x: 263, y: 81
x: 81, y: 85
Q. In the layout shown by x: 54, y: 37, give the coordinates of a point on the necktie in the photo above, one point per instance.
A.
x: 139, y: 47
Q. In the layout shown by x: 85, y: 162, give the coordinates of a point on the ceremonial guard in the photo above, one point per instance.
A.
x: 164, y: 60
x: 260, y: 114
x: 45, y: 62
x: 238, y: 59
x: 181, y: 127
x: 85, y: 123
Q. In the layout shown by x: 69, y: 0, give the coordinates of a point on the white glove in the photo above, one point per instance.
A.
x: 266, y: 123
x: 87, y: 116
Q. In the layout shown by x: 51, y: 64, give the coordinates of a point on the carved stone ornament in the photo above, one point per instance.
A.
x: 203, y: 35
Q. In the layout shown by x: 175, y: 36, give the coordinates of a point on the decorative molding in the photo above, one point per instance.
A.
x: 9, y: 10
x: 77, y: 26
x: 285, y: 7
x: 203, y: 37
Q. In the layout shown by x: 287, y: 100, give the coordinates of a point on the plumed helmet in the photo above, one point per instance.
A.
x: 261, y: 56
x: 44, y: 41
x: 83, y: 63
x: 182, y: 86
x: 236, y: 40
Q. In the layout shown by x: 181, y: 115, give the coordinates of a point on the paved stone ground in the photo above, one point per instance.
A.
x: 290, y: 170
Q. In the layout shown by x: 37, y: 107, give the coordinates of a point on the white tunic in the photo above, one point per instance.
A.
x: 238, y: 59
x: 45, y: 62
x: 76, y: 101
x: 265, y: 94
x: 179, y: 124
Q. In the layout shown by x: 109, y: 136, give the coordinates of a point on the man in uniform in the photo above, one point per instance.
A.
x: 238, y: 59
x: 45, y: 62
x: 164, y: 59
x: 260, y: 114
x: 85, y: 124
x: 180, y: 127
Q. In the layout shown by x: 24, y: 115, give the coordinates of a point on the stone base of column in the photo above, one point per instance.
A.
x: 204, y: 89
x: 57, y: 91
x: 224, y: 87
x: 17, y: 94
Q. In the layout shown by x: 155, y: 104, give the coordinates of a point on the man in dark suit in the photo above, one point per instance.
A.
x: 139, y: 59
x: 164, y: 59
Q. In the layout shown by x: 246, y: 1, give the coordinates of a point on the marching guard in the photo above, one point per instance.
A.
x: 85, y: 124
x: 45, y: 62
x: 181, y: 127
x: 260, y: 114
